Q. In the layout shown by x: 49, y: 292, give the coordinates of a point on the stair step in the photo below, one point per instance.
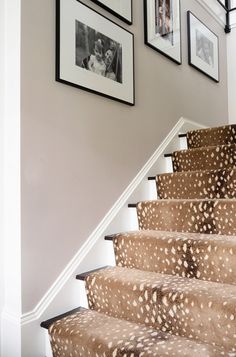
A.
x: 197, y: 184
x: 90, y: 333
x: 205, y: 158
x: 83, y: 276
x: 46, y: 324
x: 191, y: 255
x: 195, y: 309
x: 190, y: 216
x: 222, y: 135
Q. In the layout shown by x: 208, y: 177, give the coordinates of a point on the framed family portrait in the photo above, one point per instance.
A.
x: 120, y: 8
x: 203, y: 48
x: 162, y: 27
x: 93, y: 53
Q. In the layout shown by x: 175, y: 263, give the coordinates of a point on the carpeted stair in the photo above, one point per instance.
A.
x: 197, y: 184
x: 90, y: 333
x: 173, y: 291
x: 201, y: 256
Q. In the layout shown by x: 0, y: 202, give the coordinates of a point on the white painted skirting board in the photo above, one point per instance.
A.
x: 11, y: 331
x: 69, y: 271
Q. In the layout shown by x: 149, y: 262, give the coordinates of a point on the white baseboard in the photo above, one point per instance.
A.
x: 66, y: 293
x: 10, y: 335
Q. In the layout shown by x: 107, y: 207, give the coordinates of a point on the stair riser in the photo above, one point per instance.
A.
x: 197, y: 185
x: 212, y: 217
x: 211, y: 158
x: 185, y: 312
x: 203, y: 259
x: 218, y: 136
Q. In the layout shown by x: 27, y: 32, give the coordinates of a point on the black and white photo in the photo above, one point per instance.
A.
x: 93, y: 53
x: 162, y: 27
x: 203, y: 48
x: 119, y: 8
x: 98, y: 53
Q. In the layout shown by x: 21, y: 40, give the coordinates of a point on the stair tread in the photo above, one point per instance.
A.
x: 165, y: 235
x: 204, y: 148
x: 47, y: 323
x: 215, y: 128
x: 193, y: 172
x: 152, y: 279
x: 208, y: 184
x: 202, y: 310
x: 102, y: 335
x: 193, y: 216
x: 190, y: 255
x: 202, y: 137
x: 82, y: 276
x: 205, y: 158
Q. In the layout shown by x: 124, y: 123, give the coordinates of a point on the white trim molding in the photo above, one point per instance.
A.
x: 11, y: 334
x: 215, y: 10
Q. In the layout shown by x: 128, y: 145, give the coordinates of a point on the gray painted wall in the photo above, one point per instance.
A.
x: 80, y: 151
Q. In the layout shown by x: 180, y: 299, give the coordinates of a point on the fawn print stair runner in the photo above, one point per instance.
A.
x: 173, y: 290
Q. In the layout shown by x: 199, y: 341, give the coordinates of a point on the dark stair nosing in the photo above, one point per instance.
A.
x: 84, y: 275
x: 132, y: 205
x: 168, y: 155
x: 182, y: 135
x: 47, y: 323
x: 152, y: 178
x: 110, y: 237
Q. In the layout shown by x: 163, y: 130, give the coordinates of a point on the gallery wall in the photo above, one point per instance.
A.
x: 80, y: 150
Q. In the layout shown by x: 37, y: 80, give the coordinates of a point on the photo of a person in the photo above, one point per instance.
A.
x: 96, y: 63
x: 204, y: 48
x: 164, y: 19
x: 98, y: 53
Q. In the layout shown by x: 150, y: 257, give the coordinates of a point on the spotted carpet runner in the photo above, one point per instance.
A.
x: 173, y: 290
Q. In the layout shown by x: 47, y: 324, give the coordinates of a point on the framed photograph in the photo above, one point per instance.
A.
x: 120, y: 8
x: 162, y: 27
x: 203, y: 48
x: 93, y: 53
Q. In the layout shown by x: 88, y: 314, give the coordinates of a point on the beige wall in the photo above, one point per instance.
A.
x: 80, y: 151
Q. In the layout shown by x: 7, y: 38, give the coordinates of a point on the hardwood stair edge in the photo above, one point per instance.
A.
x: 47, y: 323
x: 83, y: 276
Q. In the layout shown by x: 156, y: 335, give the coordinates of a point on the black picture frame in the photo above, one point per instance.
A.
x: 168, y: 43
x: 203, y: 48
x: 126, y: 18
x: 80, y: 31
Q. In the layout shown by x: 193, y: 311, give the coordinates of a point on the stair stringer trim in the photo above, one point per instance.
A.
x: 182, y: 125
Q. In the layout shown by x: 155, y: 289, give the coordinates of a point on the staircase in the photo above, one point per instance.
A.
x: 173, y: 290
